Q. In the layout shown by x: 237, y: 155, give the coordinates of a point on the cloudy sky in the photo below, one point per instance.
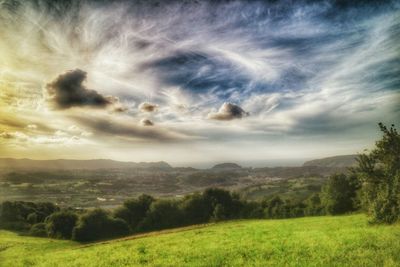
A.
x: 194, y: 82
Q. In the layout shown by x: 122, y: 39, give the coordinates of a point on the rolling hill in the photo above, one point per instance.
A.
x: 226, y: 166
x: 106, y: 183
x: 333, y: 162
x: 312, y: 241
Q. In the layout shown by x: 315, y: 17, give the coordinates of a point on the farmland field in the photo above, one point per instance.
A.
x: 313, y: 241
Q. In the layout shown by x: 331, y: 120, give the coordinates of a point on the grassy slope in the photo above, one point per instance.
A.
x: 315, y: 241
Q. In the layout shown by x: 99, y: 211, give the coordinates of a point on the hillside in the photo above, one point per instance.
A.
x: 67, y: 164
x: 333, y: 162
x: 312, y: 241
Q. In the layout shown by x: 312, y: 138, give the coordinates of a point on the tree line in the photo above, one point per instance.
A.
x: 373, y: 186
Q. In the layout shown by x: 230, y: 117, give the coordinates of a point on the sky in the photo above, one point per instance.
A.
x: 195, y: 82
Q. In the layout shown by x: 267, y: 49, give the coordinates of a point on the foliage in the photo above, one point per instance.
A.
x: 38, y: 230
x: 19, y: 215
x: 379, y: 173
x: 314, y: 205
x: 98, y: 224
x: 60, y: 224
x: 134, y: 211
x: 338, y: 195
x: 162, y: 214
x: 219, y: 213
x: 195, y: 209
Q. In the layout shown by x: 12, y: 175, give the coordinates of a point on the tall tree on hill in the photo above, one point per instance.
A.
x: 379, y: 173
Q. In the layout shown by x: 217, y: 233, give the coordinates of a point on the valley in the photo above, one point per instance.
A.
x: 104, y: 183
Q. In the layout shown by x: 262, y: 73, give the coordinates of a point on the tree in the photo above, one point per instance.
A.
x: 134, y: 210
x: 216, y: 196
x: 44, y: 209
x: 195, y: 210
x: 314, y: 205
x: 60, y: 224
x: 251, y: 209
x: 379, y: 174
x: 33, y: 218
x: 338, y: 195
x: 162, y: 214
x: 38, y: 230
x: 26, y: 212
x: 219, y: 213
x: 98, y: 224
x: 13, y: 215
x: 273, y: 208
x: 13, y: 211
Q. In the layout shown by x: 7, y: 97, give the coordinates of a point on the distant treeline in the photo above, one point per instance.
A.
x: 373, y: 187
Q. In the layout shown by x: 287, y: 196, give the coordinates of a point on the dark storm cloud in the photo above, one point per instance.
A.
x: 68, y: 90
x: 228, y: 111
x: 147, y: 107
x: 146, y: 122
x: 120, y: 109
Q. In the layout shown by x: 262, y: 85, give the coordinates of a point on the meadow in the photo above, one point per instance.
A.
x: 311, y: 241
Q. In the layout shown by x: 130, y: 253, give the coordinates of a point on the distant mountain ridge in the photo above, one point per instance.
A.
x: 226, y: 166
x: 94, y: 164
x: 333, y: 162
x: 70, y: 164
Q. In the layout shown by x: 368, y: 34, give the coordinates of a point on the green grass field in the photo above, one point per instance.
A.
x: 313, y: 241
